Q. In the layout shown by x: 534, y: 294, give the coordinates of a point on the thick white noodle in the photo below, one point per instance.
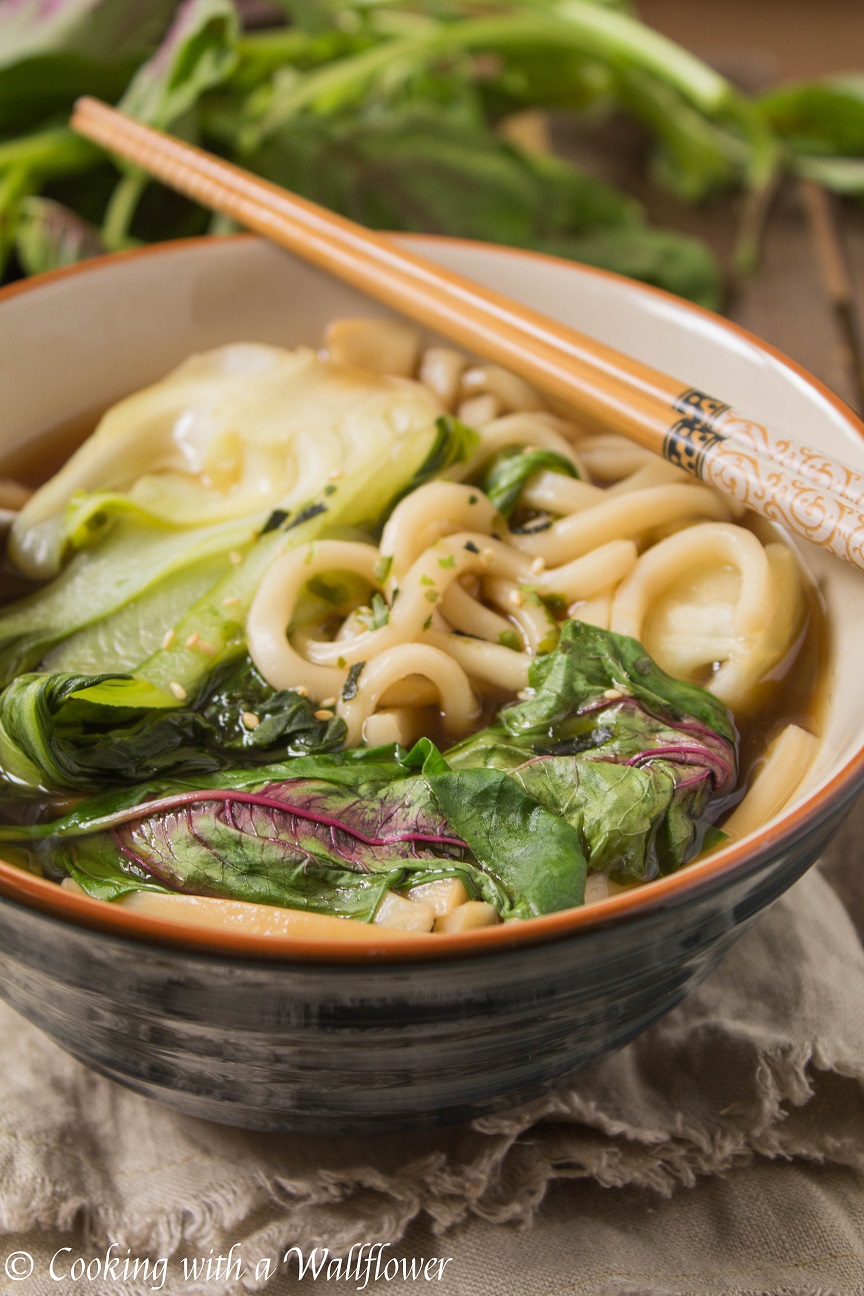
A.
x: 777, y: 777
x: 734, y: 634
x: 460, y: 709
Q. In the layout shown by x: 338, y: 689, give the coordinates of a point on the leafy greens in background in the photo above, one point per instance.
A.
x: 610, y: 764
x: 822, y: 124
x: 391, y: 112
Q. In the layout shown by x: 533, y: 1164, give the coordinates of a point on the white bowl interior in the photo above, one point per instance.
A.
x: 79, y: 342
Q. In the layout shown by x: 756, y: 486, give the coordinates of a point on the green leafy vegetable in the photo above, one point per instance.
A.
x: 824, y: 117
x: 387, y: 114
x: 637, y: 762
x: 105, y: 30
x: 611, y: 764
x: 54, y: 736
x: 50, y: 235
x: 532, y: 852
x: 198, y: 52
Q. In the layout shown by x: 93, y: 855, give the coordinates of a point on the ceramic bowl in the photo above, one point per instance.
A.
x: 279, y: 1034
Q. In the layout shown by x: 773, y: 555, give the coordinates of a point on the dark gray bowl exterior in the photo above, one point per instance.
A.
x: 379, y: 1046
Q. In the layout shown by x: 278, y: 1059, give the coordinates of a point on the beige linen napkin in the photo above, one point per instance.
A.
x: 765, y: 1060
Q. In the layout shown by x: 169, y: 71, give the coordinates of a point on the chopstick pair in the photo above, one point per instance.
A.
x: 802, y: 488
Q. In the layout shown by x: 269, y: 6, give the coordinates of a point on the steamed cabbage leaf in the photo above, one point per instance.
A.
x: 227, y: 435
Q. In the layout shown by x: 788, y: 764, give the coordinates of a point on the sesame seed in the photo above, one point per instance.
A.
x: 301, y: 690
x: 235, y: 557
x: 524, y: 694
x: 537, y: 566
x: 517, y: 598
x: 612, y: 694
x: 193, y: 641
x: 323, y: 714
x: 178, y: 691
x: 335, y: 474
x: 207, y: 648
x: 328, y: 702
x: 168, y: 639
x: 488, y: 554
x: 230, y: 602
x: 250, y: 719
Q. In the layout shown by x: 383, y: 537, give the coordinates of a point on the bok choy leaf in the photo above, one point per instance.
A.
x: 162, y: 525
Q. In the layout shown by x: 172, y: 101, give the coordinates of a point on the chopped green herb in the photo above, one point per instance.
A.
x: 471, y: 547
x: 382, y: 568
x: 275, y: 520
x: 427, y: 623
x: 510, y: 639
x: 330, y: 489
x: 311, y: 511
x: 432, y: 596
x: 530, y: 595
x: 426, y: 580
x: 380, y: 612
x: 449, y: 561
x: 349, y: 690
x: 341, y: 663
x: 532, y: 528
x: 335, y: 594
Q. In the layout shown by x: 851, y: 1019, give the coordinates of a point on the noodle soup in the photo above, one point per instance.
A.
x: 370, y: 638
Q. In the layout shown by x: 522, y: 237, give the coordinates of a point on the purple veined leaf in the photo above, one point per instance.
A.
x: 689, y: 742
x: 401, y: 811
x: 197, y: 53
x: 264, y: 847
x: 50, y: 235
x: 301, y: 820
x: 107, y: 31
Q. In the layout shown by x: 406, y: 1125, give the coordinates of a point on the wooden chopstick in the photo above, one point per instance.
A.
x: 807, y: 491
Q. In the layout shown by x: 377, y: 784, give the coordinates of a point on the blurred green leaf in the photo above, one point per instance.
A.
x: 50, y: 235
x: 418, y: 170
x: 843, y: 175
x: 47, y: 85
x: 197, y: 53
x: 820, y: 117
x: 109, y: 31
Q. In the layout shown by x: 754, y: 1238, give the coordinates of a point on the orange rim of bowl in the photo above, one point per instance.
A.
x: 98, y: 915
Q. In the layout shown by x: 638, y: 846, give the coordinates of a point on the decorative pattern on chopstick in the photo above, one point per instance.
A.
x: 751, y: 463
x: 802, y: 488
x: 692, y: 437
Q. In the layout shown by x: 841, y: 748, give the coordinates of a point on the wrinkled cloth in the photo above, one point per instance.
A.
x: 760, y: 1067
